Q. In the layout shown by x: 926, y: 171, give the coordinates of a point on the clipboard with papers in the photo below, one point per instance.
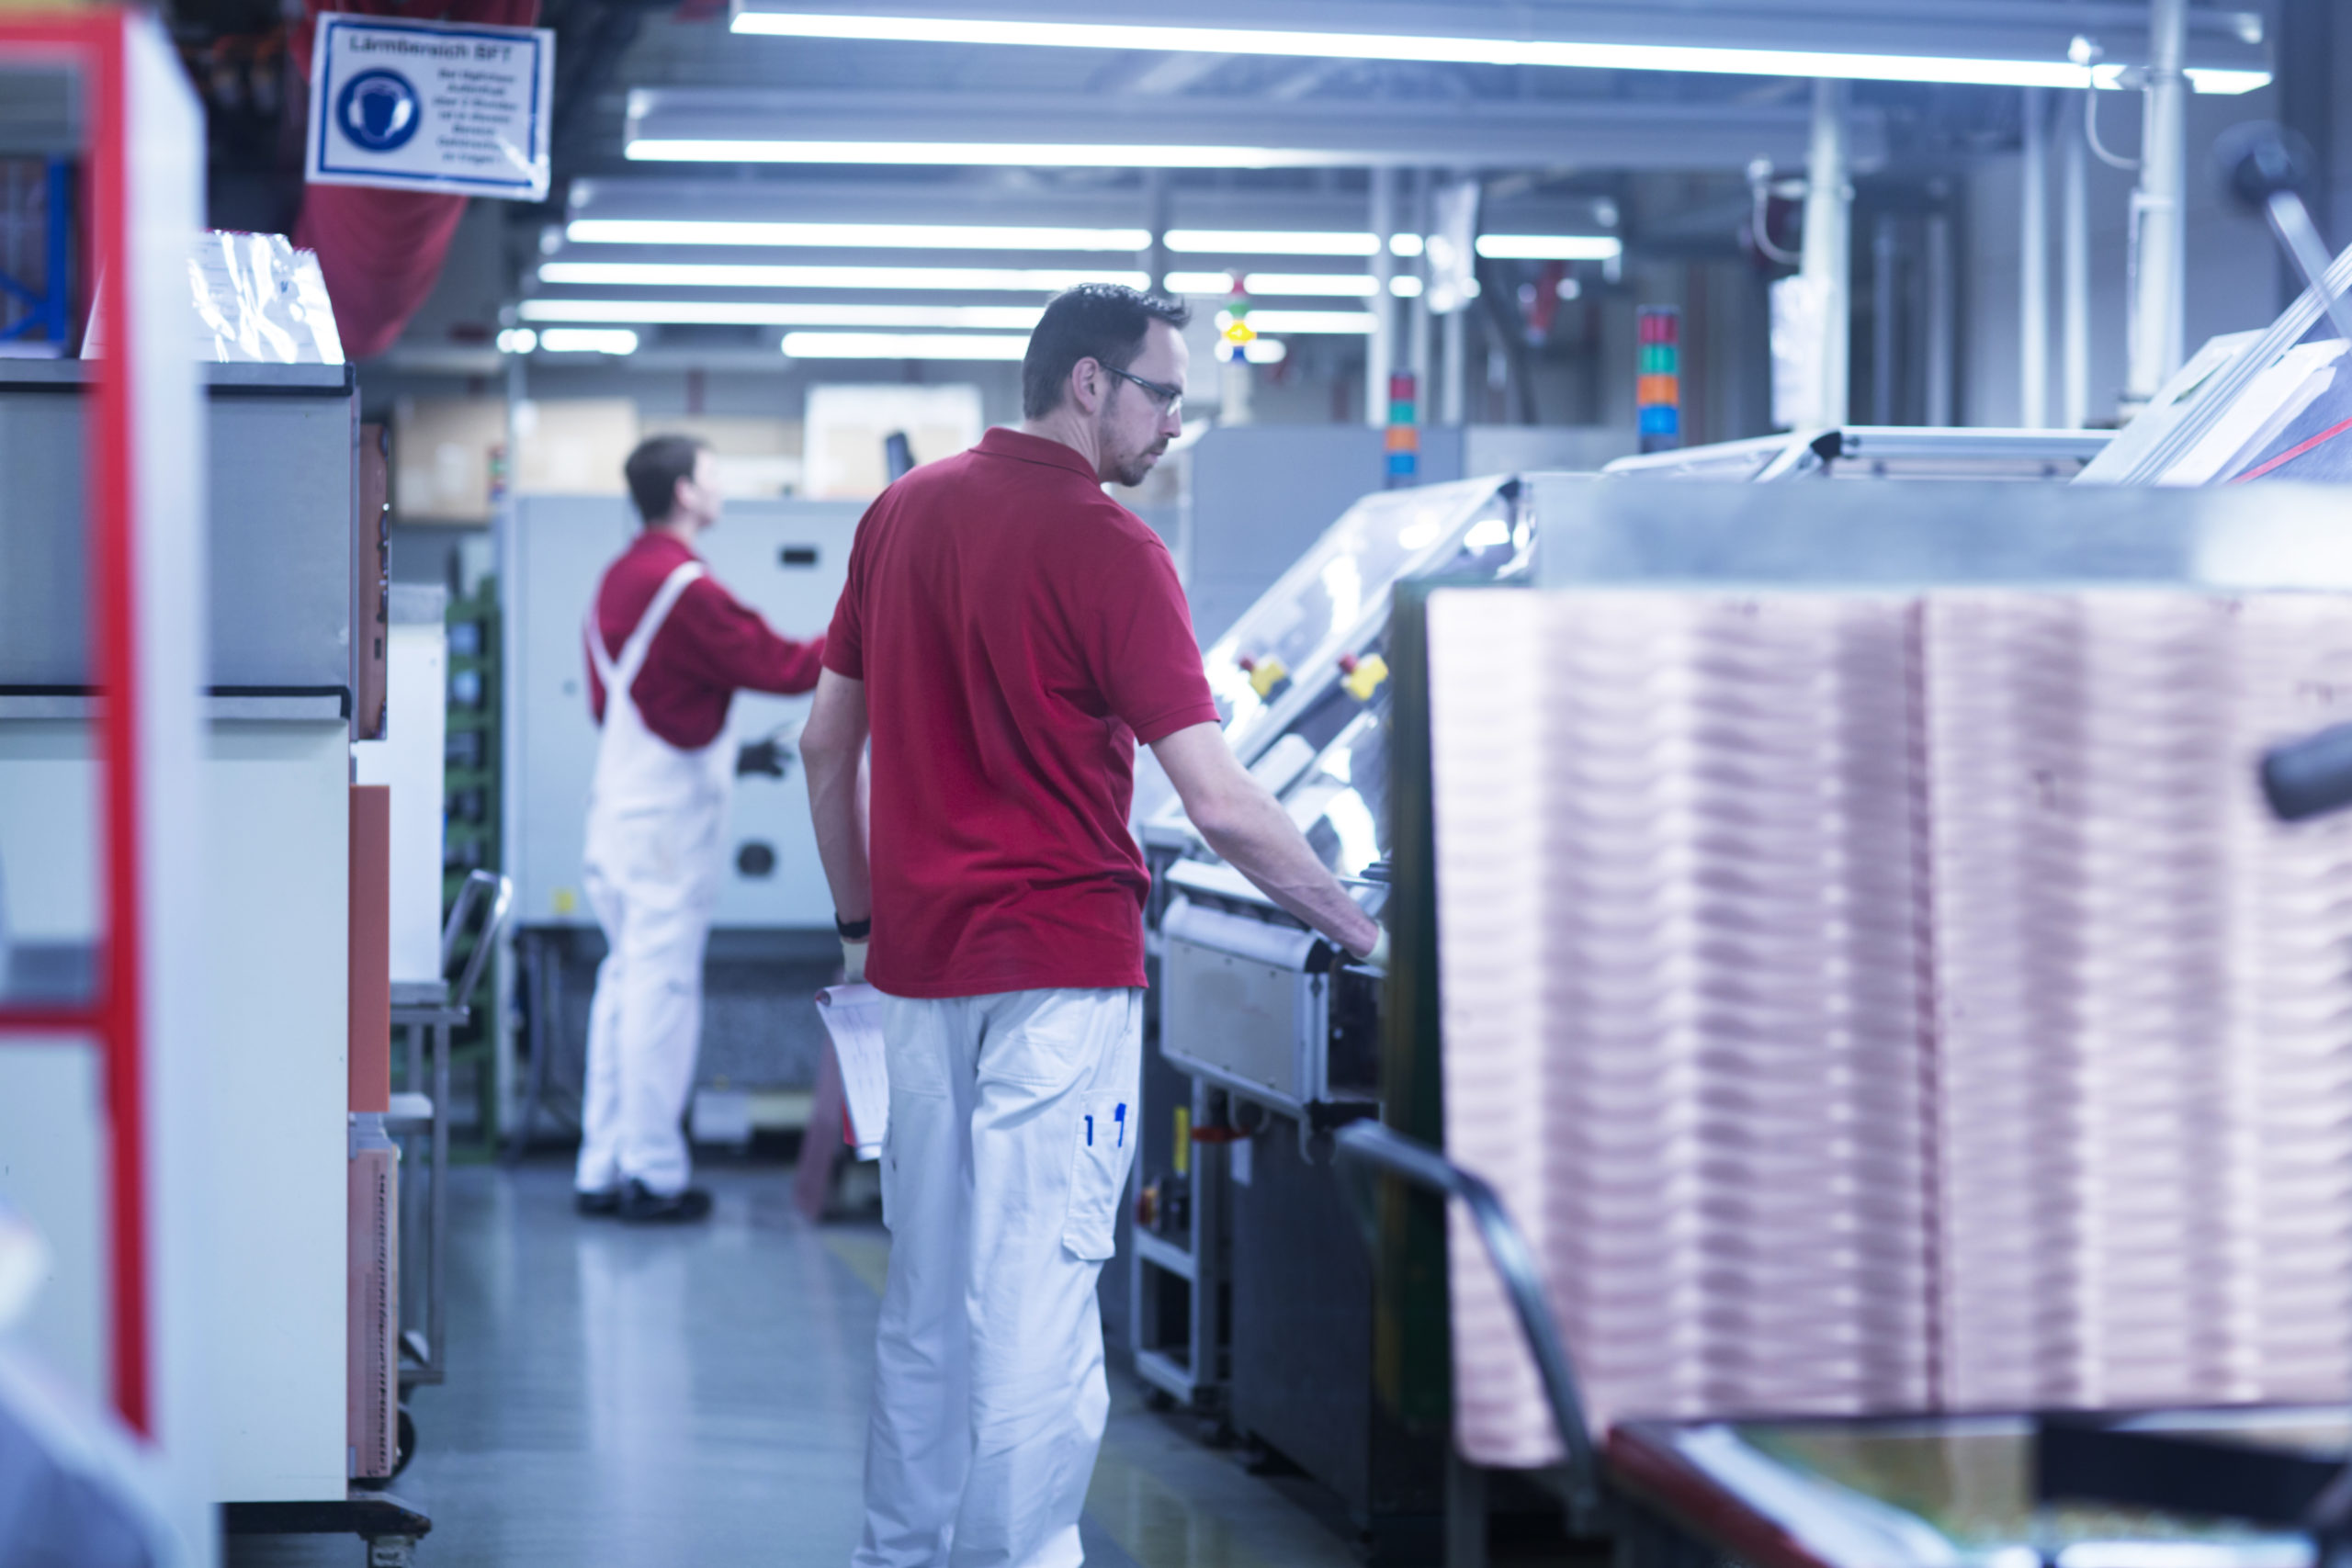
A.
x: 853, y: 1016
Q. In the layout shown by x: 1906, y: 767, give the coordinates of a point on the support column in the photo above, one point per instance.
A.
x: 2160, y: 235
x: 1828, y: 254
x: 1452, y: 377
x: 1885, y: 253
x: 2033, y: 267
x: 1417, y: 348
x: 1943, y: 305
x: 2074, y: 272
x: 1155, y: 254
x: 1379, y: 346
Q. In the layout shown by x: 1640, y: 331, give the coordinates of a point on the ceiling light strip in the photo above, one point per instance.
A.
x: 850, y: 236
x: 764, y: 313
x: 974, y: 279
x: 979, y: 237
x: 992, y: 155
x: 1560, y: 52
x: 901, y: 346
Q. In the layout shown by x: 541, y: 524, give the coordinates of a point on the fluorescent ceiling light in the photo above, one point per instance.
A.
x: 901, y: 346
x: 1265, y: 350
x: 1565, y: 52
x: 1342, y: 321
x: 763, y: 313
x: 1550, y: 247
x: 850, y: 236
x: 2224, y: 84
x: 963, y: 280
x: 517, y: 340
x: 1341, y: 285
x: 588, y: 340
x: 1269, y: 242
x: 1405, y: 244
x: 1012, y: 154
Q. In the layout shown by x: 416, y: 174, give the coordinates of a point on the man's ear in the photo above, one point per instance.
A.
x: 1086, y: 381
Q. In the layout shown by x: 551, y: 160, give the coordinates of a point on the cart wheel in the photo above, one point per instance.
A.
x: 405, y: 1442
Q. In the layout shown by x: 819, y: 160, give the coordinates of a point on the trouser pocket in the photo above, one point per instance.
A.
x: 1106, y: 1147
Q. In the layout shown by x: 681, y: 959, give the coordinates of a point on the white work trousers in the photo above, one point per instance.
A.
x: 1012, y: 1127
x: 653, y: 895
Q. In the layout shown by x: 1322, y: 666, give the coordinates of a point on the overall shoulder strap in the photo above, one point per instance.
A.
x: 649, y: 625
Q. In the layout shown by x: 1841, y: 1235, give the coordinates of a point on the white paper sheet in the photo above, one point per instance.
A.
x: 853, y: 1016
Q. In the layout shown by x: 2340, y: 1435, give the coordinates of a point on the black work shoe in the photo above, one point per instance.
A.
x: 604, y: 1200
x: 645, y: 1206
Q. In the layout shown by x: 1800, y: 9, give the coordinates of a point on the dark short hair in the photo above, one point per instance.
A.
x: 1102, y: 322
x: 655, y: 468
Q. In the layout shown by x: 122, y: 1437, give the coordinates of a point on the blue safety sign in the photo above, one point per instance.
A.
x: 431, y: 105
x: 378, y: 110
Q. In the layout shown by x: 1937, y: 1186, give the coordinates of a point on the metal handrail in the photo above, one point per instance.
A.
x: 1390, y: 1150
x: 500, y: 890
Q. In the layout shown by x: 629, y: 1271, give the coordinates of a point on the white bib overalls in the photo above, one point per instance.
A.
x: 657, y: 824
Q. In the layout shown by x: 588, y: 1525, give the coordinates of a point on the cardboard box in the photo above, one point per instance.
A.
x: 445, y: 452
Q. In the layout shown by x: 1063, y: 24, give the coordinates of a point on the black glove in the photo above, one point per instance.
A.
x: 768, y: 757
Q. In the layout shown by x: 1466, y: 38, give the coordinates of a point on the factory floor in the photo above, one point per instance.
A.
x: 621, y: 1396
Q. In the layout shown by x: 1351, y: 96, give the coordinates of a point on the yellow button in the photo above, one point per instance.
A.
x: 1266, y: 674
x: 1366, y: 677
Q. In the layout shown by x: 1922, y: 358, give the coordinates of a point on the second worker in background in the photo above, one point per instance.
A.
x: 668, y: 649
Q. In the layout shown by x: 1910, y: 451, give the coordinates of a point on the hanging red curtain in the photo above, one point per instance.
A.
x: 381, y: 250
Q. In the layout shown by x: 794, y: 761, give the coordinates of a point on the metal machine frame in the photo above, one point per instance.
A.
x: 1208, y: 924
x: 1878, y: 451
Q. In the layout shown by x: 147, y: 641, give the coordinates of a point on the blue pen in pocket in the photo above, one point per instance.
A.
x: 1119, y: 1116
x: 1089, y: 1132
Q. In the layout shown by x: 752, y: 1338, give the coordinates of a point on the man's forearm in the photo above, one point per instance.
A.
x: 837, y: 809
x: 1261, y: 842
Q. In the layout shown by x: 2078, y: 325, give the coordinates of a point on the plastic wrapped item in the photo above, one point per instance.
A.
x: 261, y: 301
x: 257, y: 301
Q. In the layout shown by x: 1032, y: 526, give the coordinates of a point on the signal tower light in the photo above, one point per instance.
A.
x: 1658, y: 387
x: 1404, y: 432
x: 1236, y: 334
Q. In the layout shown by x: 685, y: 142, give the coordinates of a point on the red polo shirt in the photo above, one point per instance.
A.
x: 711, y: 645
x: 1018, y: 632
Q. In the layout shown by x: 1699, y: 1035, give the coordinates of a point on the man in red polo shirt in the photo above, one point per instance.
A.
x: 668, y: 649
x: 1008, y: 634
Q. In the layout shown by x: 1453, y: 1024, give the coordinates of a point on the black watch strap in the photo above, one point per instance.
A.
x: 853, y: 931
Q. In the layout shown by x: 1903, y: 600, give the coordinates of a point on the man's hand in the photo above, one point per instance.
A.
x: 854, y: 961
x: 1248, y: 827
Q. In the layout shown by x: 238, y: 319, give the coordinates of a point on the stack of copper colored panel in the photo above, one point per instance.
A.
x: 2295, y: 675
x: 1486, y: 756
x: 1875, y: 1005
x: 1722, y: 1164
x: 2078, y: 793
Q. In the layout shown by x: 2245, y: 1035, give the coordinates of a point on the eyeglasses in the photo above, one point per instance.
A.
x: 1170, y: 399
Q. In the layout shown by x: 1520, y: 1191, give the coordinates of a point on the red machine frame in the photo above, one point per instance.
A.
x: 96, y: 43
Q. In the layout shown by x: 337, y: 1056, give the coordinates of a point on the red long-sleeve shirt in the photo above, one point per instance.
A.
x: 711, y: 646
